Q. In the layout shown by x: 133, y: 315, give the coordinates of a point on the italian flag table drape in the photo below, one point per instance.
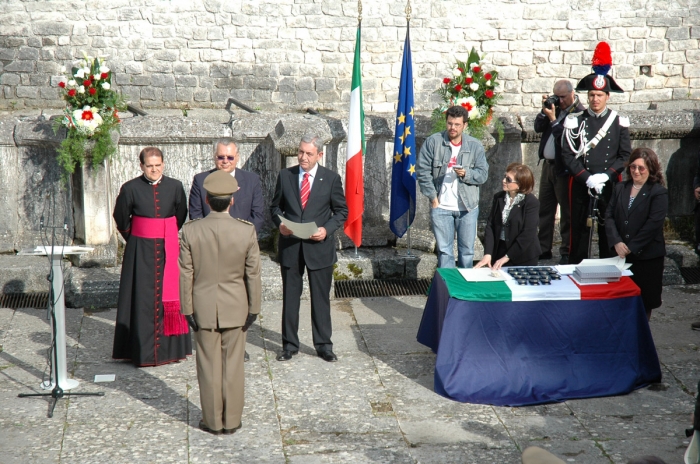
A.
x: 564, y: 289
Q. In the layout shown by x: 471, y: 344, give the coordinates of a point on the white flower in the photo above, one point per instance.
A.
x: 96, y: 77
x: 473, y: 65
x: 63, y: 69
x: 105, y: 85
x: 456, y: 72
x: 104, y: 69
x: 474, y: 86
x: 81, y: 89
x: 488, y: 82
x: 72, y: 83
x: 87, y: 118
x: 86, y: 70
x: 80, y: 73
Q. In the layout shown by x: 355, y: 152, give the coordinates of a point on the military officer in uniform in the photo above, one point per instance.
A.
x: 220, y: 294
x: 595, y: 148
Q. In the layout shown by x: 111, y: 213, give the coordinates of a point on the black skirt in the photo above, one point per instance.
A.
x: 648, y: 275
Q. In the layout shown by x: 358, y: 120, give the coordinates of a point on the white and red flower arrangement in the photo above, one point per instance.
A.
x: 472, y: 88
x: 91, y: 114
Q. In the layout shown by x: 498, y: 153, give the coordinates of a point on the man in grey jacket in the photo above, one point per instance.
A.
x: 450, y: 168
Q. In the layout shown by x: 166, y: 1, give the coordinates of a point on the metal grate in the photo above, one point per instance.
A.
x: 24, y: 300
x: 691, y: 275
x: 380, y: 287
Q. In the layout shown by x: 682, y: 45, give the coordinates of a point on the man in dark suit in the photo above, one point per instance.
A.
x: 248, y: 200
x: 308, y: 193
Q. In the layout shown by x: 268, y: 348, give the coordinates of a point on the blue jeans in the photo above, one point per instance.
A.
x: 444, y: 225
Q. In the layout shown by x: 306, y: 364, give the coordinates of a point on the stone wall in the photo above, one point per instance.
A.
x: 268, y: 142
x: 285, y: 55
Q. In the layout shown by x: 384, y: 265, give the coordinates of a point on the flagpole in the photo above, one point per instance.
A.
x: 359, y: 25
x: 408, y: 231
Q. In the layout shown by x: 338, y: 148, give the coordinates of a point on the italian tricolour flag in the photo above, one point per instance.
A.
x: 354, y: 182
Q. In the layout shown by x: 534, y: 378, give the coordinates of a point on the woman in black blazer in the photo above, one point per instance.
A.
x: 634, y: 223
x: 511, y: 230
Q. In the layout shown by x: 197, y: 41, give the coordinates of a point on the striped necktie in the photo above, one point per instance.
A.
x: 305, y: 190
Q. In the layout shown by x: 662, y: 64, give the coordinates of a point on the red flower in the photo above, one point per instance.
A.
x: 476, y: 69
x: 468, y: 106
x: 87, y: 115
x: 104, y: 76
x: 458, y: 88
x: 93, y: 91
x: 489, y: 93
x: 468, y: 80
x: 71, y: 93
x: 460, y: 70
x: 62, y: 85
x: 446, y: 80
x: 487, y: 76
x: 86, y: 83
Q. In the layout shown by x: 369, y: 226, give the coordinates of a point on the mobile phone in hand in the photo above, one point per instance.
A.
x: 457, y: 166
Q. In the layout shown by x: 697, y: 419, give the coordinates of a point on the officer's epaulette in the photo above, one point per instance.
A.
x: 245, y: 222
x: 624, y: 120
x: 571, y: 121
x: 192, y: 220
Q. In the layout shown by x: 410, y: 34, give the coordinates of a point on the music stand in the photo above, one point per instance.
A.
x: 59, y: 372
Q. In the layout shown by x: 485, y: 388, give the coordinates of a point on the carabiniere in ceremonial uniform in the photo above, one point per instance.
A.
x: 595, y: 148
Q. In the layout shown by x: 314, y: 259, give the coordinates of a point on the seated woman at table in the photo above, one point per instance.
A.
x: 511, y: 230
x: 634, y: 223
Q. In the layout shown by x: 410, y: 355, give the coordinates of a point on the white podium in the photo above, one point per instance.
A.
x: 59, y: 368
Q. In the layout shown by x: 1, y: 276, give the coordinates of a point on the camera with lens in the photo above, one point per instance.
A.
x: 552, y: 100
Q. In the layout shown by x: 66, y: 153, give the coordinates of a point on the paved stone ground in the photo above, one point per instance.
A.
x: 375, y: 405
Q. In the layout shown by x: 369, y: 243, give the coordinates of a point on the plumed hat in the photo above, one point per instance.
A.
x: 599, y: 79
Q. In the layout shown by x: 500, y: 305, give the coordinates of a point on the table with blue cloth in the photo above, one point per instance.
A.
x: 493, y: 350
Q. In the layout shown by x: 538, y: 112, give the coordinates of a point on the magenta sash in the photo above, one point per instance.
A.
x: 174, y: 323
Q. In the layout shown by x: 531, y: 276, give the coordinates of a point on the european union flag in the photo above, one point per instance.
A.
x: 403, y: 172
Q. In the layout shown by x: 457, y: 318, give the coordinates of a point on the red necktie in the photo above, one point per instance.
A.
x: 305, y: 190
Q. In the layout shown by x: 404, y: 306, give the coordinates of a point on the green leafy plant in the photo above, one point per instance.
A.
x: 475, y: 90
x: 90, y: 115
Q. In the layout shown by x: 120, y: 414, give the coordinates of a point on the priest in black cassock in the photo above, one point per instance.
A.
x: 149, y: 212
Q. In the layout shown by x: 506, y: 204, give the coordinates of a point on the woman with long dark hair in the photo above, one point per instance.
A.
x: 634, y: 223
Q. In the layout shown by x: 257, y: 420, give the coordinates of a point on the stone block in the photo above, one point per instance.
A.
x: 23, y: 66
x: 677, y: 45
x: 553, y: 70
x: 9, y: 79
x: 678, y: 33
x: 162, y: 80
x: 53, y: 28
x: 538, y: 85
x: 651, y: 95
x: 691, y: 70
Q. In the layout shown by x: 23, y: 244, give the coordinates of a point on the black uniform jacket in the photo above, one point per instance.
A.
x: 326, y: 207
x: 521, y: 228
x: 546, y: 127
x: 609, y: 156
x: 640, y: 227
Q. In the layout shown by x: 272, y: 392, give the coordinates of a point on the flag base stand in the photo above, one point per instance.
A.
x: 356, y: 256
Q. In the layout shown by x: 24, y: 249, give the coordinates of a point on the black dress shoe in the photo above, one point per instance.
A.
x: 564, y: 259
x: 695, y: 325
x: 327, y: 356
x: 546, y: 255
x: 233, y: 430
x: 286, y: 355
x: 204, y: 427
x: 246, y: 357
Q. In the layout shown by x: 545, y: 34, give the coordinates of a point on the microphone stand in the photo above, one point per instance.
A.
x: 57, y: 327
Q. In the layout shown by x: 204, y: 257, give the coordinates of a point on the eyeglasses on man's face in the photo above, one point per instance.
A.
x: 635, y: 167
x: 222, y: 158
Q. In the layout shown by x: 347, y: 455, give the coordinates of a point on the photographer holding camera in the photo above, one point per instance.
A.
x: 554, y: 183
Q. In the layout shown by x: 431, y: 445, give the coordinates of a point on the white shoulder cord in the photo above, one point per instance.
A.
x: 572, y: 135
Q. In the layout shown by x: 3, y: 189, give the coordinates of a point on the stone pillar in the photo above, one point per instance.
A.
x: 92, y: 215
